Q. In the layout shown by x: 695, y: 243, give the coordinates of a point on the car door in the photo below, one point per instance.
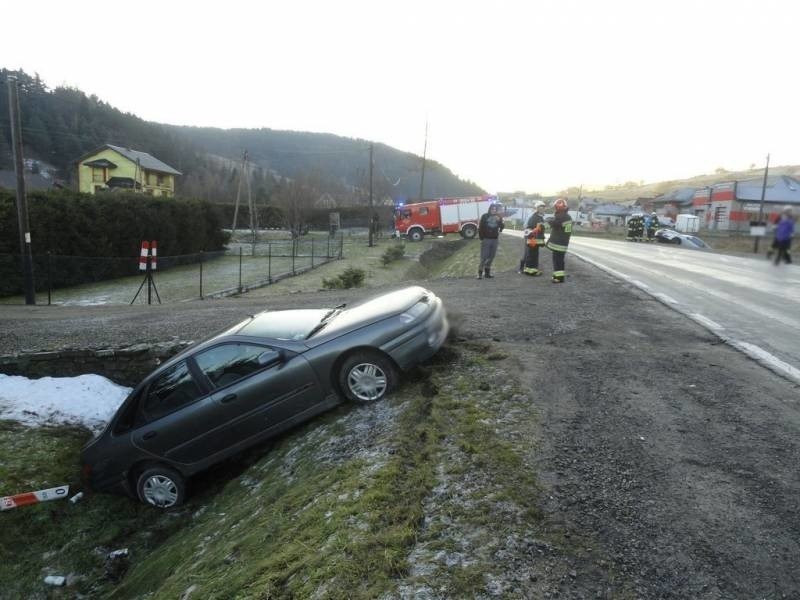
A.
x: 175, y: 408
x: 256, y: 388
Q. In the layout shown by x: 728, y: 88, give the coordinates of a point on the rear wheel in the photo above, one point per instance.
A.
x: 469, y: 231
x: 416, y: 235
x: 161, y: 487
x: 367, y: 377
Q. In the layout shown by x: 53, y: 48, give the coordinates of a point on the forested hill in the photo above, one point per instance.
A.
x: 61, y: 124
x: 345, y: 160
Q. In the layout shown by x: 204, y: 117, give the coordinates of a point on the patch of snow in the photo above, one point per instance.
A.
x: 88, y: 400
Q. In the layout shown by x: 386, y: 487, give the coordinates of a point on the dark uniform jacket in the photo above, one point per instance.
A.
x: 490, y: 226
x: 560, y: 232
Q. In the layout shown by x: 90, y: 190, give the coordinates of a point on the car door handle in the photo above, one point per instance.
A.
x: 149, y: 435
x: 228, y: 398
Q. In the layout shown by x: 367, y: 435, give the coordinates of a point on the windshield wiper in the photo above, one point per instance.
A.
x: 326, y: 318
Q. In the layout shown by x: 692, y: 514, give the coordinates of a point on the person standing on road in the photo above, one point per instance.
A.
x: 560, y: 232
x: 783, y: 236
x: 652, y: 225
x: 489, y: 229
x: 534, y: 239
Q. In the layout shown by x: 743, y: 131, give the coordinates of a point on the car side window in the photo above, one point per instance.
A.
x: 172, y: 389
x: 228, y: 363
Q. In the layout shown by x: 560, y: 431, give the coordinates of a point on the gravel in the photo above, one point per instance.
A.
x: 668, y: 460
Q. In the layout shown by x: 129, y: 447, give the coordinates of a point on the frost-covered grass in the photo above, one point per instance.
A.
x: 216, y: 273
x: 413, y: 494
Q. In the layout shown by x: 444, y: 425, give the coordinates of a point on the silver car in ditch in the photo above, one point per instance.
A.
x: 254, y: 381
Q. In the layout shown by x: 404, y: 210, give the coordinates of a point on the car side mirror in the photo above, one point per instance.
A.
x: 270, y: 358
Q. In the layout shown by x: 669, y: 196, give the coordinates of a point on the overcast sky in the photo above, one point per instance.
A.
x: 531, y: 95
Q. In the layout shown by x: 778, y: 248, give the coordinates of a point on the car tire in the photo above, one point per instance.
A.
x: 416, y: 235
x: 469, y: 232
x: 161, y: 487
x: 367, y: 377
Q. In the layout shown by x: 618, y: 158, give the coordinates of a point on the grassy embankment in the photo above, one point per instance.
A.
x: 334, y: 508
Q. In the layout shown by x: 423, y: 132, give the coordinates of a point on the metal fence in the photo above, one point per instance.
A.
x: 115, y: 280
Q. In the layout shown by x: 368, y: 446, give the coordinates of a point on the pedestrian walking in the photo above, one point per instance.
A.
x: 534, y: 239
x: 489, y: 229
x: 784, y: 231
x: 560, y: 232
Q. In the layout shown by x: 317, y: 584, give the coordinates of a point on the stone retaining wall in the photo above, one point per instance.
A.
x: 125, y: 366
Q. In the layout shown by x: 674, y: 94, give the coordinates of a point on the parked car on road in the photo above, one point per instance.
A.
x: 253, y: 381
x: 670, y: 236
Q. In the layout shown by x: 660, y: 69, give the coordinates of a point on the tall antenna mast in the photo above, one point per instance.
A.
x: 424, y: 152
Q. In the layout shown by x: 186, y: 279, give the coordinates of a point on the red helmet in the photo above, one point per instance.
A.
x: 560, y: 205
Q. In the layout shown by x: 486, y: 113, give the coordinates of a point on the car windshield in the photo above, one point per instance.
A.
x: 285, y: 324
x: 696, y: 241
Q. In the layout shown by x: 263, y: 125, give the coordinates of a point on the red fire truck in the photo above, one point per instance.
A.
x: 446, y: 215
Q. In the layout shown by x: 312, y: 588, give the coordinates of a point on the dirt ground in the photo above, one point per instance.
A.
x: 668, y: 460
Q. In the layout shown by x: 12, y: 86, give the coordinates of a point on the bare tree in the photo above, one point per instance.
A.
x: 295, y: 198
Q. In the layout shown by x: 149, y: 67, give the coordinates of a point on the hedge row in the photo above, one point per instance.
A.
x: 112, y: 227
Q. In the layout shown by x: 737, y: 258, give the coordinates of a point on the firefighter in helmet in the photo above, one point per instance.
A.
x: 560, y: 232
x: 652, y: 224
x: 534, y: 239
x: 635, y: 228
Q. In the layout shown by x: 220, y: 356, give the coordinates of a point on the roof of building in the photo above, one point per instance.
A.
x: 611, y: 210
x: 145, y: 160
x: 678, y: 196
x: 780, y: 188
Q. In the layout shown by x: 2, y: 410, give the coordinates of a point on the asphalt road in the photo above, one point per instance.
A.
x: 750, y: 303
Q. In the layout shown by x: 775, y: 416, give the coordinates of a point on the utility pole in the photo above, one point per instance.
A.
x: 22, y: 205
x: 238, y: 193
x: 371, y: 209
x: 424, y: 152
x: 761, y: 206
x: 252, y: 208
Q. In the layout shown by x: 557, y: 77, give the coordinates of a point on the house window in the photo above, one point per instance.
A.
x: 160, y: 179
x: 98, y: 174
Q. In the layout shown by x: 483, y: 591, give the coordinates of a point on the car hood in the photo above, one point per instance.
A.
x: 369, y: 311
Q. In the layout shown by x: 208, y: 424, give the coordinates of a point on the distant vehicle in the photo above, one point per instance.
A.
x: 687, y: 223
x: 446, y: 215
x: 248, y: 384
x: 670, y: 236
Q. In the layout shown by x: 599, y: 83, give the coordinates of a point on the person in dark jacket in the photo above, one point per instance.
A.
x: 560, y: 232
x: 534, y: 239
x: 489, y: 229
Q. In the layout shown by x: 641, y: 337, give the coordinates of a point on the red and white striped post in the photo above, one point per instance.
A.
x: 153, y: 255
x: 143, y: 256
x: 56, y: 493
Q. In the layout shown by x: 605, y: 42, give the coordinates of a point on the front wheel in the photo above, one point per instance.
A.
x: 416, y: 235
x: 161, y: 487
x: 469, y: 232
x: 367, y: 377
